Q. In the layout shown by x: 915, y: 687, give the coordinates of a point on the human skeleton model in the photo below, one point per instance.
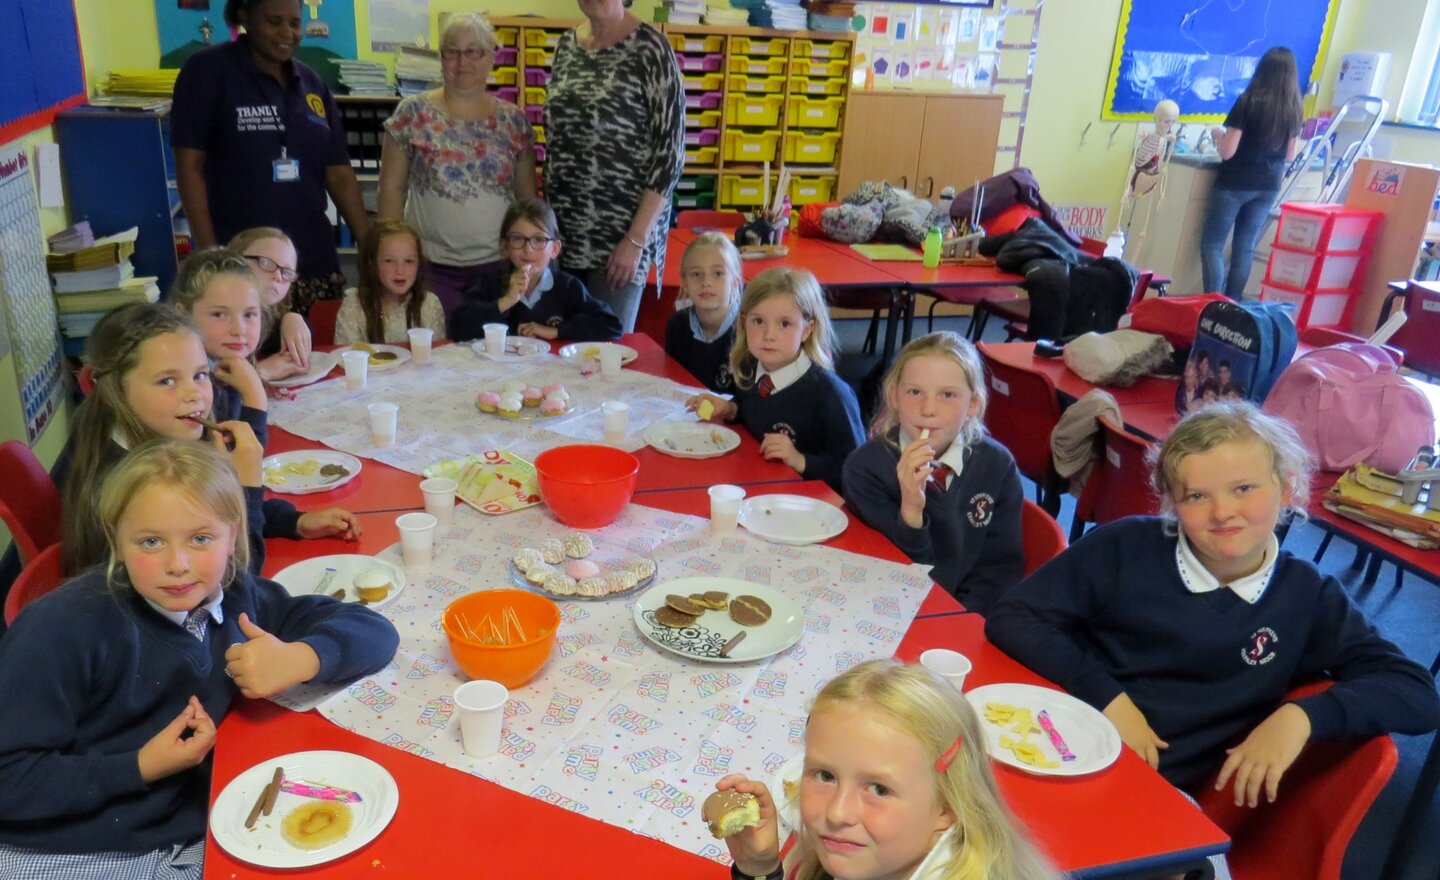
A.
x: 1150, y: 165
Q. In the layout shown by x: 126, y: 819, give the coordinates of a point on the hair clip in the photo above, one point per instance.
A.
x: 942, y: 763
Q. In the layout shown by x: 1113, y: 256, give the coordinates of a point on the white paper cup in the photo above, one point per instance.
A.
x: 953, y: 665
x: 421, y: 339
x: 610, y: 357
x: 440, y: 500
x: 383, y: 421
x: 357, y: 368
x: 417, y: 541
x: 495, y: 339
x: 481, y: 707
x: 617, y: 419
x: 724, y: 508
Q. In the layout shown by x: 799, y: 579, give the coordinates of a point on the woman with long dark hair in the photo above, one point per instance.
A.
x: 1257, y: 141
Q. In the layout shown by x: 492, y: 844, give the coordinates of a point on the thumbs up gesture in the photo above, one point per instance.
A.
x: 263, y: 665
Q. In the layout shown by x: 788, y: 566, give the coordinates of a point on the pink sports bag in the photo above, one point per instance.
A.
x: 1350, y: 404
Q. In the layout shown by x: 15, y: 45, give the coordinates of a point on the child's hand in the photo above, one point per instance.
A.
x: 327, y: 523
x: 537, y: 330
x: 756, y: 850
x: 264, y: 665
x: 1134, y: 730
x: 237, y: 441
x: 779, y: 447
x: 913, y: 472
x: 720, y: 409
x: 295, y: 340
x: 519, y: 286
x: 1265, y: 755
x: 241, y: 375
x: 278, y: 366
x: 170, y: 751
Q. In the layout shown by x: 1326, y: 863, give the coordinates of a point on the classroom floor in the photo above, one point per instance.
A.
x: 1409, y: 617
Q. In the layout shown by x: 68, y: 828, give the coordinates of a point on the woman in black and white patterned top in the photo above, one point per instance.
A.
x: 615, y: 143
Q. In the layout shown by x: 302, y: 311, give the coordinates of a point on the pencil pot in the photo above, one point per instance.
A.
x: 759, y: 231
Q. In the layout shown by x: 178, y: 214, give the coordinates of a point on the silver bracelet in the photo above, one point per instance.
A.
x: 632, y: 240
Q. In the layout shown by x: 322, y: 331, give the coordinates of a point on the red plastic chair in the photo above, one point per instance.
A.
x: 1040, y: 535
x: 1119, y: 486
x: 1303, y: 835
x: 1319, y: 337
x: 709, y: 220
x: 29, y: 501
x: 41, y: 575
x: 1420, y: 337
x: 322, y: 321
x: 1022, y: 412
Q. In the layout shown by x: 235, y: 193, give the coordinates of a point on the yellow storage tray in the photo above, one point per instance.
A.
x: 741, y: 190
x: 757, y: 66
x: 751, y: 146
x: 503, y: 76
x: 534, y: 96
x: 807, y: 112
x: 804, y: 85
x: 835, y: 67
x: 506, y: 36
x: 705, y: 157
x: 821, y: 49
x: 764, y: 85
x: 809, y: 190
x: 761, y: 110
x: 539, y: 57
x: 704, y: 82
x: 539, y: 134
x: 811, y: 148
x: 759, y: 45
x: 702, y: 119
x: 694, y: 43
x: 535, y: 38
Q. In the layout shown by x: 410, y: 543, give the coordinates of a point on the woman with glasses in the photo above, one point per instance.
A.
x: 454, y: 158
x: 258, y: 142
x: 615, y: 144
x: 527, y: 293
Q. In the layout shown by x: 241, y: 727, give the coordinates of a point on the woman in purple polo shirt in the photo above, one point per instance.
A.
x: 258, y: 142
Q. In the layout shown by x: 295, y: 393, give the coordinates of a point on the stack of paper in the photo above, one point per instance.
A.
x: 71, y: 239
x: 683, y: 11
x: 784, y: 15
x: 142, y: 289
x: 156, y: 83
x: 416, y: 69
x: 365, y: 78
x: 834, y: 17
x: 720, y: 12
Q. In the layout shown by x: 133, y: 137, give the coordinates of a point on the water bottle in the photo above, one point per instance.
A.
x: 1115, y: 244
x: 933, y: 241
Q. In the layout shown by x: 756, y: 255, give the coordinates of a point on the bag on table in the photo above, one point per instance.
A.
x: 1240, y: 349
x: 1174, y: 317
x: 1350, y: 405
x: 1118, y: 358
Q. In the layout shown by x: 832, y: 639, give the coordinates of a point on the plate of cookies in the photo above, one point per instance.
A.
x: 574, y: 567
x: 722, y: 620
x: 303, y: 809
x: 513, y: 399
x: 349, y: 577
x: 306, y: 471
x: 1044, y: 731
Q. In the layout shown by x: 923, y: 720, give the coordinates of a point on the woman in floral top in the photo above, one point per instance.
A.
x: 454, y: 159
x: 615, y: 143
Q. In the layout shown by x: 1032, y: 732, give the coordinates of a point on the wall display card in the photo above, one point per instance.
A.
x: 948, y: 28
x: 989, y: 33
x: 880, y: 21
x: 904, y: 68
x: 884, y: 63
x: 926, y: 63
x: 963, y: 75
x: 25, y: 298
x: 969, y: 26
x: 902, y: 23
x: 984, y: 72
x: 927, y: 24
x: 945, y: 63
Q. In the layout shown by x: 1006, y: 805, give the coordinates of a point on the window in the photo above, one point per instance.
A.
x: 1430, y: 104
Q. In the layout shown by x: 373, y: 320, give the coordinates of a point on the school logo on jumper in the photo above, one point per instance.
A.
x: 1261, y: 649
x: 982, y: 510
x: 316, y: 104
x: 723, y: 379
x: 782, y: 428
x: 553, y: 321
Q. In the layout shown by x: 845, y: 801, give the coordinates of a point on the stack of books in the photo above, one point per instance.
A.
x: 834, y: 17
x: 720, y: 12
x: 152, y: 83
x: 416, y: 69
x: 365, y: 79
x: 784, y: 15
x: 92, y: 277
x: 680, y: 11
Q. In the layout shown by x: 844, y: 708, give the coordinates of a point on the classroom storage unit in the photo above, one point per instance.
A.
x: 919, y: 142
x: 1317, y: 262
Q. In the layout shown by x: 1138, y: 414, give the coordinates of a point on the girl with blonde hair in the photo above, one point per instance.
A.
x: 701, y: 334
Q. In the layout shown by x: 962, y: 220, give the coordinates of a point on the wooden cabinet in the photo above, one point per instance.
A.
x: 922, y: 143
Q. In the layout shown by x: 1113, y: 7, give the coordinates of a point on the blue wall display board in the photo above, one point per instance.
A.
x: 1201, y: 53
x: 40, y: 66
x: 187, y: 26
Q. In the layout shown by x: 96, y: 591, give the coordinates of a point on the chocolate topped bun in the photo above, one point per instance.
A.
x: 730, y: 811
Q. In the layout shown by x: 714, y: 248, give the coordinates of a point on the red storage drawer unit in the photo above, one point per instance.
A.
x: 1325, y: 227
x: 1309, y: 270
x: 1313, y: 308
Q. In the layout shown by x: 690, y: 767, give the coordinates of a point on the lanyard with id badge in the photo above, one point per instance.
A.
x: 285, y: 169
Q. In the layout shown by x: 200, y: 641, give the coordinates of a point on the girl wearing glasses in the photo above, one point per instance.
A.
x: 454, y: 158
x: 530, y: 295
x: 391, y: 298
x: 285, y: 343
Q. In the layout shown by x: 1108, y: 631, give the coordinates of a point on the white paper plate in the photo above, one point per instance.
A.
x: 590, y: 351
x: 704, y: 639
x: 1089, y: 735
x: 401, y: 355
x: 691, y: 439
x: 792, y: 519
x: 303, y: 577
x: 264, y: 845
x: 307, y: 484
x: 321, y: 363
x: 517, y: 348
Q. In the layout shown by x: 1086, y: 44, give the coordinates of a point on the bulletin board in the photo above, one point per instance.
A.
x: 1201, y: 53
x: 188, y: 26
x: 40, y: 65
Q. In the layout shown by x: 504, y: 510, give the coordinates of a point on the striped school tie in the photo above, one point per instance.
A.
x: 765, y: 386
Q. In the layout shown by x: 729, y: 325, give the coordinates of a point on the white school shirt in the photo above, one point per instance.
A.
x: 786, y: 375
x: 1198, y: 579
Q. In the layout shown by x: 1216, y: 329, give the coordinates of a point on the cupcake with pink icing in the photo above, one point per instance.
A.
x: 552, y: 406
x: 549, y: 390
x: 488, y: 401
x: 532, y: 396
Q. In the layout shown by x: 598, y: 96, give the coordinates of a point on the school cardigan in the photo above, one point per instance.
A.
x: 1111, y: 615
x: 971, y: 531
x: 278, y: 518
x: 89, y: 675
x: 707, y: 361
x: 567, y: 306
x: 819, y: 413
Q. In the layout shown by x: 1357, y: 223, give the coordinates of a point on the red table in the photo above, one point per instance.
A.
x: 1021, y: 355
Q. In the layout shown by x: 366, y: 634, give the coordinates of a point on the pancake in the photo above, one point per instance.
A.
x: 316, y: 824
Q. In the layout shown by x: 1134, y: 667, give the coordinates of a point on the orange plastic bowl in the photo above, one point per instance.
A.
x: 511, y: 664
x: 586, y: 486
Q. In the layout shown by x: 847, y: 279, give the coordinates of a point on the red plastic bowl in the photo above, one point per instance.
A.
x: 586, y: 486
